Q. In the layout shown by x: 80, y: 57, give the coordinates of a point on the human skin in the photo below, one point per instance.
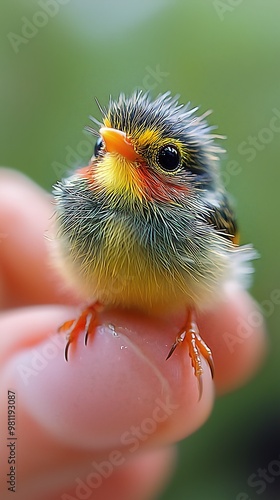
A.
x: 117, y: 401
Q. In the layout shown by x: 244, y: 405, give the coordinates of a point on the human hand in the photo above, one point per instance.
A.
x: 81, y: 425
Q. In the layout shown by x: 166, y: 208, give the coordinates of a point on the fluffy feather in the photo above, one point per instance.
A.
x: 132, y: 235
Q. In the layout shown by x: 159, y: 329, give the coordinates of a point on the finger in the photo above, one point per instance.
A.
x: 140, y: 477
x: 76, y: 474
x: 122, y: 364
x: 27, y: 275
x: 117, y: 392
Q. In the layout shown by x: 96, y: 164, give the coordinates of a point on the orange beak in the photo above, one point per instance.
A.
x: 116, y: 141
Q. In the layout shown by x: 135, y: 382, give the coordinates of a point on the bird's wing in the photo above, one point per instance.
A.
x: 221, y: 216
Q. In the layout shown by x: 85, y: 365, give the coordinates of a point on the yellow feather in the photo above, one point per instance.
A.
x: 149, y: 136
x: 118, y: 177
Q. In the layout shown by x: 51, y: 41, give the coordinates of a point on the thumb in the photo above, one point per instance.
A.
x: 118, y: 383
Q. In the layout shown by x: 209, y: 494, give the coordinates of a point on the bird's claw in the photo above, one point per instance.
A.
x: 86, y: 323
x: 197, y: 348
x: 179, y: 339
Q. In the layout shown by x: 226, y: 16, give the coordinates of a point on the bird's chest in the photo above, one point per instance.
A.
x: 123, y: 250
x: 132, y: 265
x: 139, y: 262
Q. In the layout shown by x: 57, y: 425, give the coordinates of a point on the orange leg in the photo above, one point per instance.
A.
x: 86, y: 323
x: 197, y: 347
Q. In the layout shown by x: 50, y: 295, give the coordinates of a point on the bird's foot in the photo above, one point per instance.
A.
x: 86, y: 324
x: 197, y: 348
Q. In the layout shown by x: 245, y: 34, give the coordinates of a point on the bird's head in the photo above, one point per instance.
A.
x: 152, y: 150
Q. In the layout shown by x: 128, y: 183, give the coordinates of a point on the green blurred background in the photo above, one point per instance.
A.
x: 223, y: 55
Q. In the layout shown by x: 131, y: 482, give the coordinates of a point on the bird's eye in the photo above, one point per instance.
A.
x: 98, y: 146
x: 169, y: 158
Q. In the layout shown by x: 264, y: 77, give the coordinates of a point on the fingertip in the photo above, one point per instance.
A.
x: 118, y: 383
x: 27, y: 273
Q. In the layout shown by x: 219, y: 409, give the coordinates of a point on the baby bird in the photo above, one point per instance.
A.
x: 147, y: 225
